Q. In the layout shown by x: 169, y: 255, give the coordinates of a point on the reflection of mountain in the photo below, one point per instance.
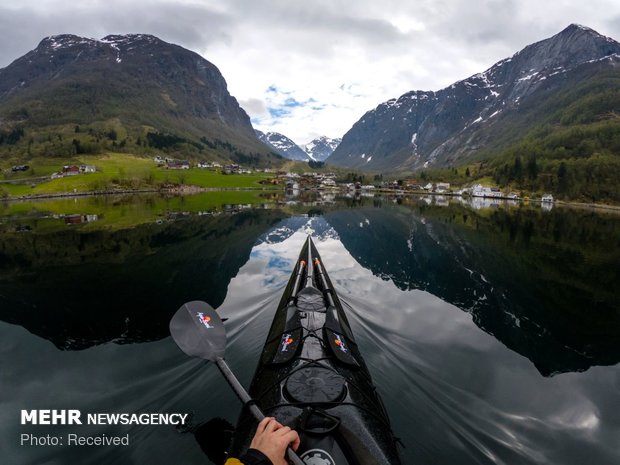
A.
x: 316, y: 226
x: 79, y: 288
x: 519, y: 274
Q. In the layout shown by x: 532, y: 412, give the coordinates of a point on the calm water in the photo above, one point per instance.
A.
x: 493, y: 334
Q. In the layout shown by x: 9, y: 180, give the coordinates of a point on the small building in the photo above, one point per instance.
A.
x: 79, y: 219
x: 478, y: 191
x: 231, y: 168
x: 17, y: 168
x: 442, y: 186
x: 487, y: 192
x: 428, y: 187
x: 70, y: 170
x: 495, y: 192
x: 88, y: 169
x: 178, y: 165
x: 547, y: 198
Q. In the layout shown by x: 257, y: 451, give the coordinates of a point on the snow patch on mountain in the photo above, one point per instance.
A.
x: 420, y: 128
x: 321, y: 148
x: 282, y: 145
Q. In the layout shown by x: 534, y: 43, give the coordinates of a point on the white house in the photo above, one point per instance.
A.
x: 442, y: 187
x: 488, y: 192
x: 478, y: 191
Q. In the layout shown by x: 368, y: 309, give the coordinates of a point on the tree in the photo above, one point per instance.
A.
x: 518, y: 169
x: 562, y: 177
x: 467, y: 173
x: 532, y: 167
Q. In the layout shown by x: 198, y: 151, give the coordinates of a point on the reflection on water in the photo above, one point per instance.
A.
x: 528, y: 278
x: 92, y: 287
x: 492, y: 335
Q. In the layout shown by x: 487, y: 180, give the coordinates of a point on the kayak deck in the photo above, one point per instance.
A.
x: 312, y: 377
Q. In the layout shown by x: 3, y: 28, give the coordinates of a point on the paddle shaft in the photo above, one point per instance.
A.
x: 239, y: 389
x: 245, y: 398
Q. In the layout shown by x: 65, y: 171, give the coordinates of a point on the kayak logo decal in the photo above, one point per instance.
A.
x: 287, y: 340
x: 317, y: 457
x: 204, y: 319
x: 340, y: 343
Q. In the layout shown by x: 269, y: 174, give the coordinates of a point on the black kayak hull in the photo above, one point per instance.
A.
x: 311, y: 376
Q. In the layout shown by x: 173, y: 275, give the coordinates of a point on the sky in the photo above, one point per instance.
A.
x: 308, y: 68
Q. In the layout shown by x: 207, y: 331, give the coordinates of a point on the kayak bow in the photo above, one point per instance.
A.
x: 312, y: 377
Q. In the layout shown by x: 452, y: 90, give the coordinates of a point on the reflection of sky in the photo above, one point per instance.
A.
x: 453, y: 392
x: 455, y: 395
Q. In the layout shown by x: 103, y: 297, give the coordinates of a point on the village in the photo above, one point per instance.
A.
x: 329, y: 181
x: 294, y: 182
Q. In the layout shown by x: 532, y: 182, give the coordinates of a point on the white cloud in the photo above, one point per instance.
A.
x: 339, y: 58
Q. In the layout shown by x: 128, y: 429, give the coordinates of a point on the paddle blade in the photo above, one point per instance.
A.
x: 198, y: 331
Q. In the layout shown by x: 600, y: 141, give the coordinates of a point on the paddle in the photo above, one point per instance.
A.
x: 199, y: 332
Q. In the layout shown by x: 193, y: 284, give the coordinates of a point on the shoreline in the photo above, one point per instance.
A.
x: 190, y: 190
x: 563, y: 203
x: 181, y: 190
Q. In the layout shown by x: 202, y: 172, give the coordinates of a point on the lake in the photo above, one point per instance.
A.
x: 492, y: 331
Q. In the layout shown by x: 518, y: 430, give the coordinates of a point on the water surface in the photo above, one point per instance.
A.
x: 493, y: 334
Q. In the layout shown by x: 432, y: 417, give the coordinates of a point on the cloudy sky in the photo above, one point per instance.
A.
x: 314, y: 67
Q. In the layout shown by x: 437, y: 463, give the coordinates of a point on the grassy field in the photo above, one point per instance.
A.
x: 118, y: 171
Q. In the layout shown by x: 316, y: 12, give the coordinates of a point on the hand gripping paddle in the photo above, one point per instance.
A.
x: 199, y: 332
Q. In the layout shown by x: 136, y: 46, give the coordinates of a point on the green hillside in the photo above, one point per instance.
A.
x: 30, y: 140
x: 136, y: 94
x: 571, y: 145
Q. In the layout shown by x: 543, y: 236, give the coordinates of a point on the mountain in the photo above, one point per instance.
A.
x: 123, y: 92
x: 282, y: 145
x: 321, y: 148
x: 572, y: 78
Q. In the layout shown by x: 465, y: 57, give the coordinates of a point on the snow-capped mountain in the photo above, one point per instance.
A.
x: 318, y: 227
x: 136, y: 80
x: 282, y: 145
x: 321, y: 148
x: 318, y: 150
x: 486, y: 111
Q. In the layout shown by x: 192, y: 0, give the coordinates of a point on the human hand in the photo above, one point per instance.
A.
x: 272, y: 438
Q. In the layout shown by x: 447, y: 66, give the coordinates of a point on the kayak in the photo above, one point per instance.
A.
x: 312, y: 377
